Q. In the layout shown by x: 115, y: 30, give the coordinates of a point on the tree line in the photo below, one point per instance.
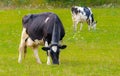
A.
x: 56, y: 3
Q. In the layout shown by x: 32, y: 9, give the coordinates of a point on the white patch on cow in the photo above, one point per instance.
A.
x: 54, y: 48
x: 38, y: 42
x: 46, y: 44
x: 47, y: 19
x: 29, y: 42
x: 24, y: 35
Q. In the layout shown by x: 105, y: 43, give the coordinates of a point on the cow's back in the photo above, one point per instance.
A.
x: 38, y: 27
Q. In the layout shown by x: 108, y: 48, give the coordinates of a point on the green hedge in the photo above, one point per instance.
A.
x: 56, y: 3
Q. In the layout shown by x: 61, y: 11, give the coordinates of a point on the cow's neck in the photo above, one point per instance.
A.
x: 92, y: 18
x: 55, y: 34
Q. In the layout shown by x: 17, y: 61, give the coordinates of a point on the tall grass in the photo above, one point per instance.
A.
x: 89, y: 53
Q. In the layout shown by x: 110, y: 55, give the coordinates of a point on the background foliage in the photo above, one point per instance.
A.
x: 56, y: 3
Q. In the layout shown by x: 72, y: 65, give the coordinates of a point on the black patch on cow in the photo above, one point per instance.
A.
x: 37, y: 28
x: 87, y: 11
x: 80, y: 12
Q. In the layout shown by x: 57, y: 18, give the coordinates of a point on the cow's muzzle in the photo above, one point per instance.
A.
x: 56, y: 62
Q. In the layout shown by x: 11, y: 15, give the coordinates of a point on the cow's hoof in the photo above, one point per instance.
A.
x: 39, y: 62
x: 48, y: 63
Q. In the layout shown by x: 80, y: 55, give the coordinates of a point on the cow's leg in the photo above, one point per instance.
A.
x: 75, y: 25
x: 35, y: 50
x: 25, y: 51
x: 81, y: 25
x: 48, y: 58
x: 48, y: 54
x: 21, y: 49
x: 75, y: 22
x: 89, y: 26
x: 22, y: 46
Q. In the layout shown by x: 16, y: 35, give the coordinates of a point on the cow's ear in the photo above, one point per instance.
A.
x: 62, y: 46
x: 45, y: 48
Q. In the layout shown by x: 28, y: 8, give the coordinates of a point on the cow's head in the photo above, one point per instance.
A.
x: 54, y: 51
x: 94, y: 24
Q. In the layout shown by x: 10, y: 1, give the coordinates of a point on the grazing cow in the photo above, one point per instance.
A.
x: 82, y: 14
x: 38, y: 28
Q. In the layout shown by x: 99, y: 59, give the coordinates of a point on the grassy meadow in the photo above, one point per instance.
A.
x: 89, y: 53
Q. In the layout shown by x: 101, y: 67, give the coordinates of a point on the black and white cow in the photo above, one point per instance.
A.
x: 82, y: 14
x: 42, y: 28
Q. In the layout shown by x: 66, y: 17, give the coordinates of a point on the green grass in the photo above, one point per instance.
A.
x: 89, y: 53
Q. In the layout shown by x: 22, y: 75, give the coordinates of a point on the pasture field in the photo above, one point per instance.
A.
x: 89, y: 53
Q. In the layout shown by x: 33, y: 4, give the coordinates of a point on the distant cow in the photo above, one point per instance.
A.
x: 82, y: 14
x: 38, y: 28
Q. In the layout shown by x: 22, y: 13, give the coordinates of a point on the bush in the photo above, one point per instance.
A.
x: 56, y: 3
